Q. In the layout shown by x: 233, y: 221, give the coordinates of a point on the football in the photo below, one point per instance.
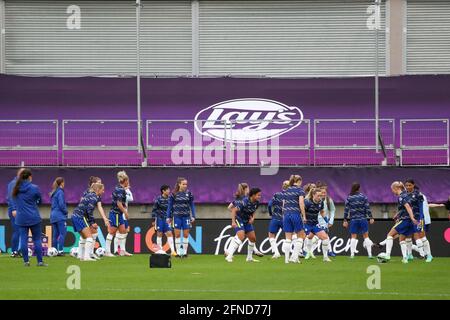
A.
x: 100, y: 252
x: 52, y: 252
x: 74, y: 252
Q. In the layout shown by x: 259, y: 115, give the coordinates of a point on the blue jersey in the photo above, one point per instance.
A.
x: 27, y: 201
x: 403, y: 199
x: 160, y: 207
x: 181, y: 204
x: 238, y: 200
x: 86, y: 207
x: 275, y: 206
x: 357, y: 207
x: 416, y: 203
x: 312, y: 210
x: 119, y: 195
x: 246, y: 209
x: 89, y: 190
x: 291, y: 196
x: 59, y: 208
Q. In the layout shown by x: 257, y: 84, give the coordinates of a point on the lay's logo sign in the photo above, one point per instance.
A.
x: 247, y: 120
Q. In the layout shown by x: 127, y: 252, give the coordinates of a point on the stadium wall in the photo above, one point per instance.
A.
x: 212, y: 236
x: 217, y: 185
x: 220, y: 211
x: 85, y: 119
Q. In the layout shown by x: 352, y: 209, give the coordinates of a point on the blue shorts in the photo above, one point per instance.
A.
x: 161, y: 225
x: 292, y: 222
x: 79, y: 223
x: 314, y: 228
x: 359, y: 226
x: 240, y: 225
x: 115, y: 219
x: 405, y: 227
x: 275, y: 225
x: 183, y: 223
x: 91, y: 220
x: 420, y: 227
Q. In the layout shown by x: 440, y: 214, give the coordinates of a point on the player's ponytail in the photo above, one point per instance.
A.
x: 285, y: 184
x: 294, y: 179
x: 24, y: 175
x: 93, y: 179
x: 240, y: 192
x: 312, y: 191
x: 57, y: 183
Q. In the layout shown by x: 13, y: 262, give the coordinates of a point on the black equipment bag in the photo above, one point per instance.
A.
x: 160, y: 261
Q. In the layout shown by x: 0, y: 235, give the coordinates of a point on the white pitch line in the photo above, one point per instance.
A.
x: 425, y: 294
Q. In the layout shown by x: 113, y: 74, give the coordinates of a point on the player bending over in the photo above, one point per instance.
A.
x: 406, y: 221
x: 328, y: 219
x: 314, y: 208
x: 93, y: 226
x: 242, y: 192
x: 242, y: 218
x: 80, y: 218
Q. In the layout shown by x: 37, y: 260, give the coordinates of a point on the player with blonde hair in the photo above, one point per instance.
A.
x: 293, y: 208
x: 406, y: 222
x: 117, y: 213
x: 81, y: 217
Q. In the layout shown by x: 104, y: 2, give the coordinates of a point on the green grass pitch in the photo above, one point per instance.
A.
x: 211, y: 277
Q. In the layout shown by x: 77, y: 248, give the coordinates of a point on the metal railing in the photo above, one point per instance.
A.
x: 231, y: 141
x: 100, y: 142
x: 424, y: 142
x: 338, y: 142
x: 29, y: 142
x: 351, y: 141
